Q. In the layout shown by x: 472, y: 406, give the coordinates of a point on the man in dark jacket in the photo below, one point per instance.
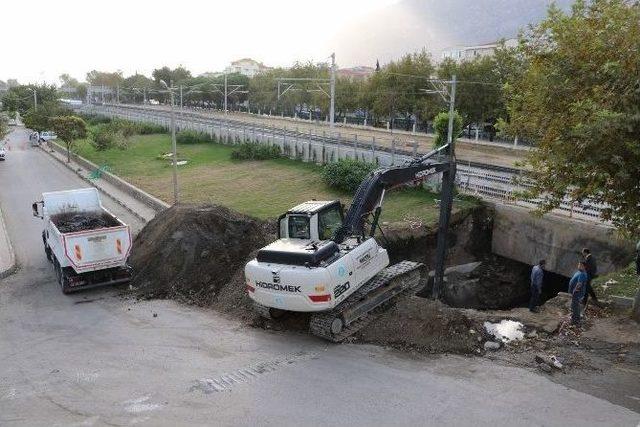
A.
x: 591, y: 268
x: 537, y: 277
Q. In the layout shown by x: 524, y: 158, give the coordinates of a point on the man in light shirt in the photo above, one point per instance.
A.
x: 537, y: 277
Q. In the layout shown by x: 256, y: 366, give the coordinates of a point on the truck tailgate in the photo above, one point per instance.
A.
x: 97, y: 249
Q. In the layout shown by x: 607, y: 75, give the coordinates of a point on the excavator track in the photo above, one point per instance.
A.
x: 368, y: 302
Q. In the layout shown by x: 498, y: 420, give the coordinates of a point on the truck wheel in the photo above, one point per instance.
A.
x: 63, y: 280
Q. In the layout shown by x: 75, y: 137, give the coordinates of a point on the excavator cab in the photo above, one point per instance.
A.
x: 314, y: 220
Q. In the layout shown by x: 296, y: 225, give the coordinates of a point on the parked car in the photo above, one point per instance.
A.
x: 48, y: 135
x: 3, y: 152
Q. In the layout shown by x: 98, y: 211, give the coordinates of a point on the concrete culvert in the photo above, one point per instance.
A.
x: 193, y: 253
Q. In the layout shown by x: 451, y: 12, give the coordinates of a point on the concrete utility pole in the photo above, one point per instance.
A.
x: 35, y: 98
x: 446, y: 200
x: 118, y: 94
x: 173, y: 143
x: 332, y: 107
x: 225, y: 93
x: 180, y: 99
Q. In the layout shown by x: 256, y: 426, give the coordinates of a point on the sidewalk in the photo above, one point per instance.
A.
x: 139, y: 209
x: 7, y: 257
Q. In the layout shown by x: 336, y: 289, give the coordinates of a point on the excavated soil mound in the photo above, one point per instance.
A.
x: 81, y: 221
x: 196, y: 254
x: 424, y: 325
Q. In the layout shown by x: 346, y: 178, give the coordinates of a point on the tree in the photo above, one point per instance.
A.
x: 579, y: 101
x: 69, y: 129
x: 39, y: 119
x: 4, y: 126
x: 20, y: 98
x: 441, y: 126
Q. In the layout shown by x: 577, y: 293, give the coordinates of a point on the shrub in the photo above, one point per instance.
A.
x: 346, y: 174
x: 192, y: 137
x: 255, y: 151
x: 441, y: 127
x: 150, y: 128
x: 94, y: 119
x: 102, y: 137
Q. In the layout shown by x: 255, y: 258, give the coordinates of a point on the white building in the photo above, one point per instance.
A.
x: 247, y: 67
x: 467, y: 53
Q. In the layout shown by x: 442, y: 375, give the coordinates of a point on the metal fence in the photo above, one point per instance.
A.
x: 486, y: 181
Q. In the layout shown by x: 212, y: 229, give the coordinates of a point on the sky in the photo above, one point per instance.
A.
x: 45, y: 38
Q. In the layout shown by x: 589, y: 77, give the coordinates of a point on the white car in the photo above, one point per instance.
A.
x: 2, y: 152
x: 48, y: 136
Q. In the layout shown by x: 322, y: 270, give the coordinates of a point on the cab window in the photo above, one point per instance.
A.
x: 299, y: 227
x: 328, y: 222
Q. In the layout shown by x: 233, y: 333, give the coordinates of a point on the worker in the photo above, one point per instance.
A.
x: 592, y: 272
x: 577, y: 289
x: 537, y: 276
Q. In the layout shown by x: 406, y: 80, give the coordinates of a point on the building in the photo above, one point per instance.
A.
x: 247, y: 67
x: 356, y: 73
x: 468, y: 53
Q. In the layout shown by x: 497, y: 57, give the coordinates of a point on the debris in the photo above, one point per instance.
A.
x: 505, y: 331
x: 532, y: 334
x: 155, y: 314
x: 491, y: 345
x: 551, y: 361
x: 69, y: 222
x: 546, y: 368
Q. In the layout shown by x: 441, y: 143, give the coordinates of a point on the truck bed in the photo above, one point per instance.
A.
x: 70, y: 222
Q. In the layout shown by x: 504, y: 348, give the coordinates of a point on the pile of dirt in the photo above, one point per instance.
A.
x: 425, y: 325
x: 196, y: 254
x: 69, y: 222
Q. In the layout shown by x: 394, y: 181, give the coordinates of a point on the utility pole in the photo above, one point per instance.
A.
x: 35, y: 98
x: 180, y: 99
x: 117, y: 94
x: 144, y: 95
x: 446, y: 200
x: 225, y: 93
x: 332, y: 107
x: 173, y: 142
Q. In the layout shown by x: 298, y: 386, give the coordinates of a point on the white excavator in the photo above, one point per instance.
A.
x: 330, y: 264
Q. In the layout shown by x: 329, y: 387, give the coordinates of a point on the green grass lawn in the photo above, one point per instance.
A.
x: 263, y: 189
x: 623, y: 282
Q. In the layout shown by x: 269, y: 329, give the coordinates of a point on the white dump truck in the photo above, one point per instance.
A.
x: 86, y: 243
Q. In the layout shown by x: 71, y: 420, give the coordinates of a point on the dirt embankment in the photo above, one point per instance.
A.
x: 196, y: 254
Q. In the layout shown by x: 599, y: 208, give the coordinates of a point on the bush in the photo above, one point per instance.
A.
x: 94, y: 119
x: 255, y: 151
x: 441, y: 127
x: 150, y: 128
x: 346, y: 174
x: 192, y: 137
x: 102, y: 137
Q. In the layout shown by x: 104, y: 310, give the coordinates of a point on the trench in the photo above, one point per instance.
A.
x: 476, y: 277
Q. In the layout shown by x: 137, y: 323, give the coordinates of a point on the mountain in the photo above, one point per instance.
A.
x: 411, y: 25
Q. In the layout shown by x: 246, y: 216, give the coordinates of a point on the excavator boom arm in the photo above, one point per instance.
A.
x: 370, y: 193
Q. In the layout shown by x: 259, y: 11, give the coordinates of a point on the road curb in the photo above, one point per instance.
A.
x: 93, y: 184
x: 13, y: 266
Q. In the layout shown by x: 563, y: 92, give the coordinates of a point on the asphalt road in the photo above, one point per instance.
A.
x: 97, y: 359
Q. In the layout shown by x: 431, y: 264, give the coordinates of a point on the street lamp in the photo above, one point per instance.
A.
x: 173, y: 143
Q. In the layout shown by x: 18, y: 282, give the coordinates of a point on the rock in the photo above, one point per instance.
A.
x: 532, y: 334
x: 550, y: 361
x: 491, y: 345
x: 544, y: 367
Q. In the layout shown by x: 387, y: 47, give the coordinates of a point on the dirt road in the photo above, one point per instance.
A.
x: 96, y: 359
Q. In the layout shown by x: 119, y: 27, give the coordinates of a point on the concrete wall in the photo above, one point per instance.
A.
x: 521, y: 236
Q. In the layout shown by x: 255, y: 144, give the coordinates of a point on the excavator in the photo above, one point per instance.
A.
x: 330, y: 265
